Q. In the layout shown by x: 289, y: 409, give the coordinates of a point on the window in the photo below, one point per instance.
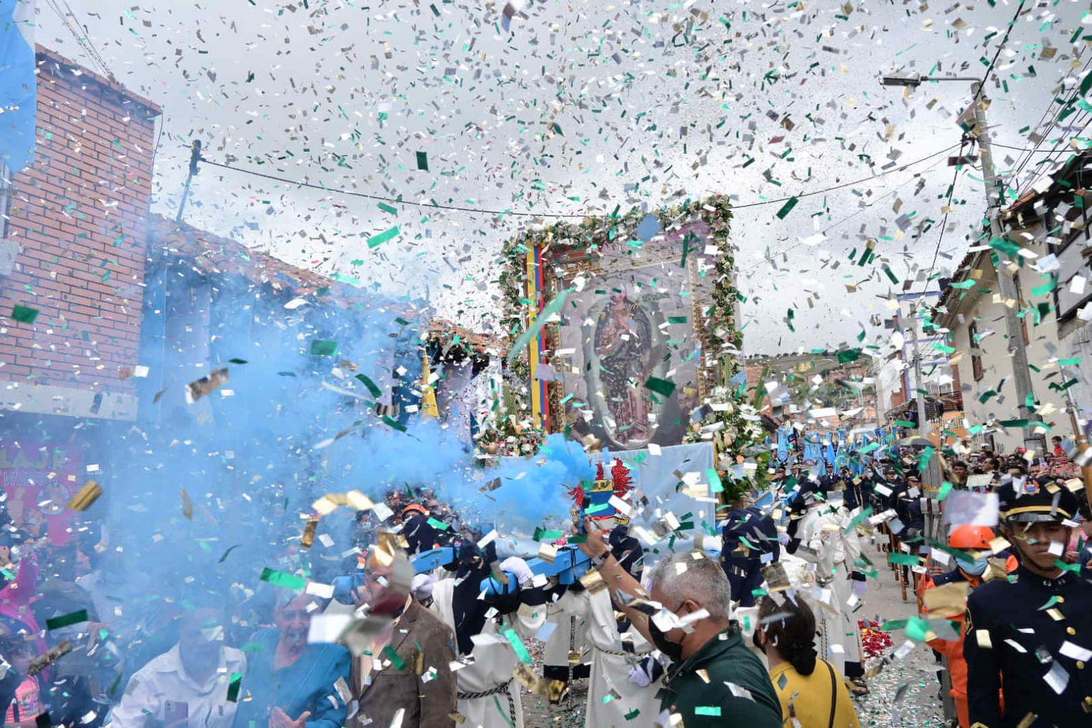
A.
x: 976, y: 354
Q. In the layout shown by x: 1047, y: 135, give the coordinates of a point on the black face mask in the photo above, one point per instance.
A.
x: 673, y: 650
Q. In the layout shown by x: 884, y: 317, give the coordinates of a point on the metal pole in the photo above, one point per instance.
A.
x: 919, y: 398
x: 1080, y: 437
x: 1021, y: 373
x: 195, y: 157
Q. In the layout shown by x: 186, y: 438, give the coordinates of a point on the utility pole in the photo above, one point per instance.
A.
x: 1080, y: 437
x: 1021, y: 373
x: 919, y: 398
x: 195, y: 157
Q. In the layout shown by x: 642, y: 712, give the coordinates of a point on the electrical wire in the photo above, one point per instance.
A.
x: 72, y: 25
x: 944, y: 220
x: 528, y: 213
x: 861, y: 209
x: 1054, y: 122
x: 997, y: 54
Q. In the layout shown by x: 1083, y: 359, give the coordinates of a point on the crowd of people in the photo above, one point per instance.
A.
x: 425, y: 624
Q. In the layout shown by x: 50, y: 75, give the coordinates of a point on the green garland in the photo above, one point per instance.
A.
x: 715, y: 326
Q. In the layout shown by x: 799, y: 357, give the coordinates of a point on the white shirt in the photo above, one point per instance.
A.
x: 164, y: 680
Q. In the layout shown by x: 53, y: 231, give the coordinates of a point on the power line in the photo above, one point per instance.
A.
x: 864, y: 207
x: 997, y: 53
x: 944, y: 220
x: 72, y: 25
x: 1050, y: 158
x: 528, y: 213
x: 1054, y: 122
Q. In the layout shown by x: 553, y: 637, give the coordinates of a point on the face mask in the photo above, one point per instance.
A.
x: 974, y: 568
x: 673, y: 650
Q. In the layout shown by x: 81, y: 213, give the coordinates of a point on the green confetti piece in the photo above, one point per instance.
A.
x: 283, y: 579
x: 393, y: 423
x: 904, y: 423
x: 396, y: 660
x: 963, y: 285
x: 633, y: 714
x: 517, y: 644
x: 905, y: 559
x: 438, y: 525
x: 388, y: 208
x: 945, y: 489
x: 710, y: 710
x: 373, y: 388
x: 894, y: 624
x: 785, y: 210
x: 237, y: 360
x: 917, y: 629
x: 1045, y: 288
x: 660, y: 386
x: 848, y: 355
x: 715, y: 486
x: 323, y: 347
x: 377, y: 240
x: 545, y: 534
x: 1007, y: 247
x: 422, y: 161
x: 551, y: 308
x: 235, y: 684
x: 67, y: 619
x: 24, y: 314
x: 677, y: 319
x: 890, y: 275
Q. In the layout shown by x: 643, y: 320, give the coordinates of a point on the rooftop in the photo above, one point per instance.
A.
x: 47, y: 57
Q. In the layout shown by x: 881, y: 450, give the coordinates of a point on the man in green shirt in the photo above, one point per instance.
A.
x: 714, y: 680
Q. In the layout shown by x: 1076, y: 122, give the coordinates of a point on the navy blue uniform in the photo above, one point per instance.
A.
x: 746, y: 536
x: 1029, y: 621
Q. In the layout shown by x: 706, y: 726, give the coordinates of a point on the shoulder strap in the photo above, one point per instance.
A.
x: 833, y: 694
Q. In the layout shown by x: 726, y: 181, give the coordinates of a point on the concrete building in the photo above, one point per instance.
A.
x: 971, y: 314
x: 1055, y: 215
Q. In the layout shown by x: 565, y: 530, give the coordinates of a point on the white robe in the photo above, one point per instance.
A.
x: 569, y: 635
x: 611, y: 667
x: 833, y: 551
x: 494, y: 664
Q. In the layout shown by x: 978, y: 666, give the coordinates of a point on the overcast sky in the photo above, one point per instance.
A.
x: 583, y: 106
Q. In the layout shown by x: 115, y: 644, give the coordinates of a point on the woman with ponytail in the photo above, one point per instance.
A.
x: 812, y: 693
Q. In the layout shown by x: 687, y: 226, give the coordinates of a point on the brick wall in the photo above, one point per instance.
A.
x: 79, y: 215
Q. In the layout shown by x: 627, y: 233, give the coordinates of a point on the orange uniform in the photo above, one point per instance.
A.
x: 952, y: 649
x: 975, y: 540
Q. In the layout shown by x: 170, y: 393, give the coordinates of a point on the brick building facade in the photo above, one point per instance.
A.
x: 76, y: 225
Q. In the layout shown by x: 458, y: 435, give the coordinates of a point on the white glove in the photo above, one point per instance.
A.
x: 519, y: 567
x: 422, y: 586
x: 639, y: 677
